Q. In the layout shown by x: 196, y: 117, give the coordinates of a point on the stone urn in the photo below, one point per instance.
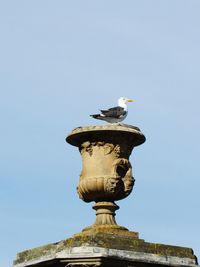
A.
x: 106, y: 174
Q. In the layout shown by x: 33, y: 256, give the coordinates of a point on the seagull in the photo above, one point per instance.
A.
x: 115, y: 114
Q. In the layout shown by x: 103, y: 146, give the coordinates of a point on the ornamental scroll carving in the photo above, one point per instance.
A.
x: 123, y: 149
x: 123, y: 170
x: 106, y: 173
x: 75, y: 264
x: 108, y: 148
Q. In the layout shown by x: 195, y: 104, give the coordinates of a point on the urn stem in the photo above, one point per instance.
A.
x: 105, y: 213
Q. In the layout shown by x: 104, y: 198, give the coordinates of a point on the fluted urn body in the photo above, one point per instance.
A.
x: 106, y: 174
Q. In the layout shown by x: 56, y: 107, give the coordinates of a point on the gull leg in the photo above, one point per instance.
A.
x: 118, y: 123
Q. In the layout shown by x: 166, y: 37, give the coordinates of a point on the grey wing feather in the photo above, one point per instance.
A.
x: 114, y: 112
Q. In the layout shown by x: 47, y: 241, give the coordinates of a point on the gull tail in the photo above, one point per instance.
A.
x: 96, y: 116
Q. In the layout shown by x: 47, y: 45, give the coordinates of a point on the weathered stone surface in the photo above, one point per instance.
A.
x: 81, y: 134
x: 94, y: 248
x: 106, y: 174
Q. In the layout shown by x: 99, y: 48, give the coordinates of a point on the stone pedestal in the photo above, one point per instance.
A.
x: 105, y: 178
x: 103, y: 249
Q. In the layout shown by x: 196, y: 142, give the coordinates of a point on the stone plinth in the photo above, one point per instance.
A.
x: 105, y: 249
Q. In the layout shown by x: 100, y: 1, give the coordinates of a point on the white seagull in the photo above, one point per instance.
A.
x: 115, y: 114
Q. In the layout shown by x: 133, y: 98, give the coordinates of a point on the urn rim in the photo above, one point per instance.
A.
x: 81, y: 134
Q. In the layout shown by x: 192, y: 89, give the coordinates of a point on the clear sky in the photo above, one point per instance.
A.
x: 63, y: 60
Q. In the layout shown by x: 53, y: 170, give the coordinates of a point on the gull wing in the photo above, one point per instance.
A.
x: 114, y: 112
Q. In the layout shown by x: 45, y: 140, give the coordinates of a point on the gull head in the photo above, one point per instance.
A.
x: 122, y: 101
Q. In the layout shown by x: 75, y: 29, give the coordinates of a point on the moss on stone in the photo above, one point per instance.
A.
x: 35, y: 253
x: 109, y: 240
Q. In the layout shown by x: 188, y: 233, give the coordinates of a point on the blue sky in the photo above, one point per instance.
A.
x: 63, y: 60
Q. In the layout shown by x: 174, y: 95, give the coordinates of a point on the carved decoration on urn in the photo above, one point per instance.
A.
x: 106, y: 174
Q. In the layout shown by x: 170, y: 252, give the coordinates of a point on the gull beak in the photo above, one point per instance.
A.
x: 130, y: 100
